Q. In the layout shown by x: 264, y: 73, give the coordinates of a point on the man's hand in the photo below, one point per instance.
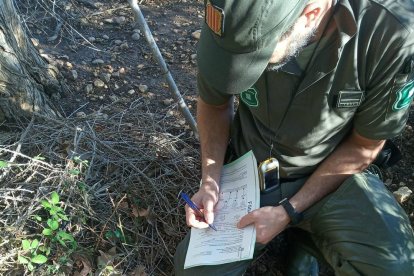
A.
x: 269, y: 222
x: 205, y: 199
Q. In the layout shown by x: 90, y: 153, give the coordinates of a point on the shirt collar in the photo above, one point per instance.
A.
x: 344, y: 16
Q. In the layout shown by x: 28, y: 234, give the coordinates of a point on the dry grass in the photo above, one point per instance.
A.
x: 135, y: 169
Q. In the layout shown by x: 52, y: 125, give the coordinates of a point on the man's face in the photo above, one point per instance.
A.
x: 290, y: 44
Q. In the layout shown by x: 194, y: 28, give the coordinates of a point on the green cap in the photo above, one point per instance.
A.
x: 239, y: 37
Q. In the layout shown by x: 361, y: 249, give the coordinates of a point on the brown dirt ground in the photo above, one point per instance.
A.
x: 172, y: 24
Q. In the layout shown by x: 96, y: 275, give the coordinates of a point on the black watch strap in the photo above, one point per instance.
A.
x: 295, y: 217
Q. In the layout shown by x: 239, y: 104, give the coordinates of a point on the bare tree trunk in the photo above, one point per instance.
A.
x: 27, y: 81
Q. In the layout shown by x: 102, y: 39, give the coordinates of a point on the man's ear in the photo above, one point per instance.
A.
x: 313, y: 13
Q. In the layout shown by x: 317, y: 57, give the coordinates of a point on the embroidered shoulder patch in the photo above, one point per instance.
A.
x: 404, y: 96
x: 214, y: 17
x: 249, y: 97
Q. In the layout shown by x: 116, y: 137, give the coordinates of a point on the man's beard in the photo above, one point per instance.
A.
x: 295, y: 41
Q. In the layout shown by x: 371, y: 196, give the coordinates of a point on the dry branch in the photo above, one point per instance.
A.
x: 139, y: 160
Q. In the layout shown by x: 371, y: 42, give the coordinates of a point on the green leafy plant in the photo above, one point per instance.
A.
x: 3, y: 164
x: 38, y: 252
x: 32, y: 247
x: 55, y: 211
x: 81, y: 163
x: 117, y: 234
x: 57, y: 214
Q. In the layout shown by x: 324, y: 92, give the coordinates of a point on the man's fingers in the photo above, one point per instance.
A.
x: 246, y: 220
x: 192, y: 220
x: 208, y: 211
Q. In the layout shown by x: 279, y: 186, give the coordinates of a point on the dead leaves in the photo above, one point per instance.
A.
x: 139, y: 271
x: 106, y: 262
x: 138, y: 212
x: 83, y: 263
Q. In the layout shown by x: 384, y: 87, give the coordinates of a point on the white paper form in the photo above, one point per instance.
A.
x: 239, y: 194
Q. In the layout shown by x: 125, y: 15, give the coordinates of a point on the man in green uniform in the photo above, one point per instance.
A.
x: 322, y: 84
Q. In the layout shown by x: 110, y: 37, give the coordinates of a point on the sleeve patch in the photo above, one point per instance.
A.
x: 404, y: 96
x: 400, y: 96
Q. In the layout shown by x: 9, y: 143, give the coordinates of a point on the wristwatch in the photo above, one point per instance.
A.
x: 295, y: 217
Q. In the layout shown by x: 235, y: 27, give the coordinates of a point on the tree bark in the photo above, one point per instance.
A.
x: 27, y: 81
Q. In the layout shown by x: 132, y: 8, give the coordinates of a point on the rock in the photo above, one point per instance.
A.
x: 167, y: 102
x: 98, y: 61
x: 140, y: 66
x: 143, y: 88
x: 193, y: 57
x: 402, y: 184
x: 115, y: 74
x: 80, y: 114
x: 105, y: 37
x: 106, y: 77
x: 122, y: 70
x: 124, y: 45
x: 119, y: 20
x: 89, y: 88
x: 99, y: 83
x: 118, y: 42
x: 403, y: 194
x: 136, y: 36
x: 137, y: 31
x: 131, y: 92
x: 109, y: 20
x: 109, y: 68
x: 91, y: 39
x: 74, y: 74
x: 196, y: 34
x: 68, y: 65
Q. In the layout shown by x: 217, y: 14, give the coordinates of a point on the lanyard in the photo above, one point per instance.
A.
x: 294, y: 91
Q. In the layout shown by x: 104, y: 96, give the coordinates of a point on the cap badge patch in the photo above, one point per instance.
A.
x: 404, y: 97
x: 214, y: 18
x: 249, y: 97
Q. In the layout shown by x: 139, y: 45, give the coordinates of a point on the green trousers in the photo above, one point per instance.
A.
x: 359, y: 229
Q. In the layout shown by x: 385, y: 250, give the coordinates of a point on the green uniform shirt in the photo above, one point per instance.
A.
x: 361, y: 77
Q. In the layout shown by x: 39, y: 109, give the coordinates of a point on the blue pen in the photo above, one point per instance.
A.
x: 192, y: 205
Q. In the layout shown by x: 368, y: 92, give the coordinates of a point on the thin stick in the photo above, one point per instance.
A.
x: 139, y: 17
